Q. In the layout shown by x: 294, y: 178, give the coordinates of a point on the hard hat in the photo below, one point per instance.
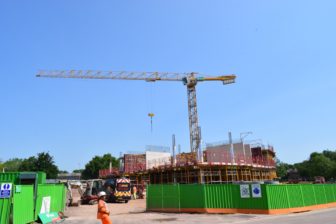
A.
x: 101, y: 194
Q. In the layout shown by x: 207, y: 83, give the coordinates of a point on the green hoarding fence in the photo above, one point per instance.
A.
x: 10, y: 177
x: 300, y: 195
x: 5, y: 209
x: 192, y: 196
x: 25, y: 201
x: 16, y: 177
x: 41, y: 177
x: 228, y: 196
x: 171, y: 197
x: 23, y: 204
x: 155, y: 200
x: 220, y: 196
x: 57, y: 194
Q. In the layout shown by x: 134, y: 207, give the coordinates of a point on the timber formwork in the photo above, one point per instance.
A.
x: 201, y: 173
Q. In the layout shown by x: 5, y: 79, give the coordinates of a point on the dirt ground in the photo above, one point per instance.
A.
x: 134, y: 212
x: 116, y: 209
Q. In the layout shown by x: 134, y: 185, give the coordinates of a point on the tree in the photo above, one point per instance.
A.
x: 330, y: 154
x: 319, y: 164
x: 12, y: 165
x: 1, y: 166
x: 43, y: 162
x: 304, y: 169
x: 97, y: 163
x: 78, y: 171
x: 28, y: 164
x: 282, y: 168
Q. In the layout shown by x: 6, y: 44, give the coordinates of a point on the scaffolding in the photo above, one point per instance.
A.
x: 222, y: 163
x: 209, y: 174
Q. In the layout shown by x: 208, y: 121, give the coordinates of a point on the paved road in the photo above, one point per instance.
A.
x: 134, y: 213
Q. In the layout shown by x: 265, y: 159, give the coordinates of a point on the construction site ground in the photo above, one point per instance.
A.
x: 134, y: 212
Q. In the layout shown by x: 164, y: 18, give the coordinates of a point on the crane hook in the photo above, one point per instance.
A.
x: 151, y: 115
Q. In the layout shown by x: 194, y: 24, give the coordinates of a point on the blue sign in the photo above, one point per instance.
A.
x: 244, y: 191
x: 5, y: 190
x: 256, y: 190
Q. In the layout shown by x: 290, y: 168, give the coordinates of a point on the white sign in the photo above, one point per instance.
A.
x: 244, y: 191
x: 256, y: 190
x: 5, y: 190
x: 45, y: 207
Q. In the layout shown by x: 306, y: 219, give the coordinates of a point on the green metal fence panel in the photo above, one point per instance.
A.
x: 5, y: 210
x: 41, y: 177
x: 300, y: 195
x: 251, y: 202
x: 171, y: 196
x: 192, y: 196
x: 329, y: 192
x: 308, y: 194
x: 11, y: 177
x: 294, y: 195
x: 228, y: 196
x: 277, y: 196
x: 154, y: 196
x: 56, y: 192
x: 320, y: 194
x: 220, y: 196
x: 23, y: 204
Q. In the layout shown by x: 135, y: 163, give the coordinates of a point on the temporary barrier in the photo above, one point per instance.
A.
x: 21, y: 177
x: 5, y: 209
x: 23, y: 204
x: 187, y: 196
x: 56, y: 193
x: 12, y: 177
x: 42, y: 176
x: 244, y: 198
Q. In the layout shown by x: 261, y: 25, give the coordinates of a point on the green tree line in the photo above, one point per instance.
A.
x: 318, y: 164
x: 42, y: 162
x: 45, y: 162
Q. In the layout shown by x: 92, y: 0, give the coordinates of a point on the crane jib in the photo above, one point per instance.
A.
x: 189, y: 79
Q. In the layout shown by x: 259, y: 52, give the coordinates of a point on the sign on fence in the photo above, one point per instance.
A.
x: 244, y: 191
x: 5, y: 190
x: 256, y: 190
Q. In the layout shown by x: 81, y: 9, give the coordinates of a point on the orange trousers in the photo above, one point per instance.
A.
x: 106, y: 220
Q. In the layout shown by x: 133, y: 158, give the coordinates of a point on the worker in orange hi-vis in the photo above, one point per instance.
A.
x: 103, y: 213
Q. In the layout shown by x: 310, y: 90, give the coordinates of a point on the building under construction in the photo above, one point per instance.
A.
x: 218, y: 163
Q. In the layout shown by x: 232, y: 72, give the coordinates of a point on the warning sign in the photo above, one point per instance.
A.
x: 5, y: 190
x: 256, y: 191
x: 244, y: 191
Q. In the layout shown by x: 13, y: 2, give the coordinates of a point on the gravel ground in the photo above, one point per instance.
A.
x: 134, y: 212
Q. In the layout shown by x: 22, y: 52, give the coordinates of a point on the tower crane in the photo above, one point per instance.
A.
x: 188, y: 79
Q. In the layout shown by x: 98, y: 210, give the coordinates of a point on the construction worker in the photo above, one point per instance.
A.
x: 134, y: 192
x: 103, y: 213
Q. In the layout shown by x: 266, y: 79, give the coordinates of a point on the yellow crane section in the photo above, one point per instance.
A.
x: 189, y: 79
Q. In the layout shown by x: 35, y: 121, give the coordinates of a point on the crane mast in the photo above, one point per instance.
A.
x: 188, y: 79
x: 193, y: 116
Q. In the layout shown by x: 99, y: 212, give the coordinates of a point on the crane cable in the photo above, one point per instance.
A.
x: 151, y: 114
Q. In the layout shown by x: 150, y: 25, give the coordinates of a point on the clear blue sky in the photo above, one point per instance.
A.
x: 283, y: 53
